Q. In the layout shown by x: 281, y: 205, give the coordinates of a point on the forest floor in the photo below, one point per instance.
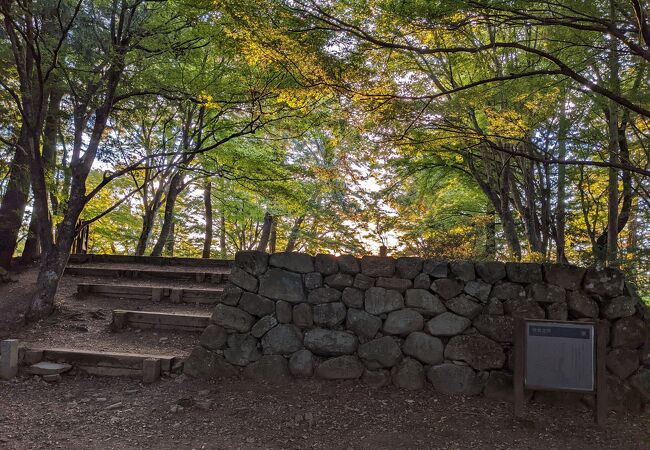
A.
x: 85, y: 412
x: 84, y: 323
x: 109, y: 413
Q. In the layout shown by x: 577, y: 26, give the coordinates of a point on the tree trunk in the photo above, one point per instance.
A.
x: 490, y: 234
x: 175, y: 188
x: 207, y: 201
x: 266, y: 232
x: 14, y: 201
x: 222, y: 237
x: 274, y: 236
x: 293, y: 235
x: 171, y: 239
x: 560, y: 211
x: 147, y: 227
x: 32, y: 247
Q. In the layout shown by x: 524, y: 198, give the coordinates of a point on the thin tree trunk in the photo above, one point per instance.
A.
x: 293, y: 235
x: 560, y: 211
x: 207, y: 201
x: 490, y: 234
x: 171, y: 239
x: 266, y: 232
x: 222, y: 237
x: 174, y: 189
x: 145, y: 234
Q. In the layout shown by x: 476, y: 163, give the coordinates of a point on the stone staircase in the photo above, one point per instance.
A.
x: 170, y: 295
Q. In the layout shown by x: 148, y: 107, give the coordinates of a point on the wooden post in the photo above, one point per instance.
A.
x: 177, y: 295
x: 601, y: 373
x: 520, y: 366
x: 383, y: 251
x: 156, y: 294
x: 119, y: 320
x: 9, y: 359
x: 150, y: 370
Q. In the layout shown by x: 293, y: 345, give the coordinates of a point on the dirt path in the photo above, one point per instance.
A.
x: 104, y: 413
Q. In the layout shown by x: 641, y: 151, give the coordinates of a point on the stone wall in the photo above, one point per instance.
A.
x: 410, y: 322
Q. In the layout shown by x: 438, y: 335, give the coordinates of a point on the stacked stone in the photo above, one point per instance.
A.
x: 407, y: 321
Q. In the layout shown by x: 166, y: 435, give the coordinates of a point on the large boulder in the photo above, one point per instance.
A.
x: 490, y: 271
x: 422, y: 281
x: 349, y: 264
x: 376, y: 378
x: 380, y: 353
x: 293, y: 261
x: 329, y: 314
x: 564, y: 275
x: 447, y: 288
x: 326, y: 264
x: 436, y: 269
x: 256, y: 305
x: 398, y: 284
x: 352, y: 297
x: 303, y: 316
x: 270, y: 368
x: 282, y: 339
x: 324, y: 295
x: 339, y: 281
x: 252, y: 261
x: 330, y: 342
x: 301, y: 364
x: 242, y: 350
x: 378, y: 266
x: 455, y: 379
x: 497, y: 328
x: 263, y: 325
x: 641, y: 384
x: 380, y: 301
x: 629, y: 332
x: 524, y: 272
x: 231, y: 295
x: 621, y: 306
x: 557, y: 311
x: 232, y: 318
x: 507, y: 291
x: 203, y: 363
x: 478, y: 289
x: 280, y: 284
x: 363, y: 282
x: 362, y: 323
x: 403, y: 321
x: 426, y: 349
x: 465, y: 305
x: 239, y: 277
x: 605, y: 281
x: 546, y: 293
x: 581, y: 306
x: 283, y: 311
x: 313, y: 280
x: 463, y: 270
x: 424, y: 301
x: 214, y: 337
x: 342, y: 368
x: 408, y: 267
x: 524, y: 308
x: 447, y: 324
x: 622, y: 362
x: 478, y: 351
x: 409, y: 374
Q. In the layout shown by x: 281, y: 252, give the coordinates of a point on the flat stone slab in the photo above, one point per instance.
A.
x: 48, y: 368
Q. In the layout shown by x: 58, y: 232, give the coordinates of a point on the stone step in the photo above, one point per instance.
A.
x: 139, y: 273
x: 149, y: 260
x: 160, y: 321
x: 149, y: 367
x: 154, y: 293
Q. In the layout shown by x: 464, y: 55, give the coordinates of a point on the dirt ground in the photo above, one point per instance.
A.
x: 105, y: 413
x: 84, y: 412
x: 84, y: 323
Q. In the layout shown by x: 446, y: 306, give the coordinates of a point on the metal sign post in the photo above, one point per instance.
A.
x: 560, y: 356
